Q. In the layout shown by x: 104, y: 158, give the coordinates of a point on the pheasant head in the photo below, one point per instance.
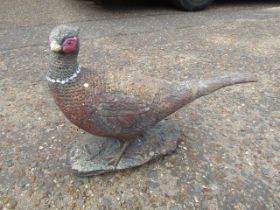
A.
x: 64, y: 49
x: 64, y: 39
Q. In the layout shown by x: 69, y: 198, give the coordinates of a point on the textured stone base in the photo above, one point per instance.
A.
x: 91, y: 157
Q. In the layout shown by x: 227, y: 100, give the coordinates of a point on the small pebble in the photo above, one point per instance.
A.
x: 196, y: 188
x: 107, y: 202
x: 153, y: 184
x: 204, y: 204
x: 22, y: 183
x: 152, y: 153
x: 174, y: 208
x: 265, y: 171
x: 275, y: 147
x: 11, y: 204
x: 195, y: 199
x: 10, y: 163
x: 34, y: 164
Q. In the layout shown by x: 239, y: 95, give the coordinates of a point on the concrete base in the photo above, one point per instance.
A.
x: 91, y: 157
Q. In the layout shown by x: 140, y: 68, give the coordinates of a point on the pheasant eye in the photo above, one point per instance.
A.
x: 69, y: 45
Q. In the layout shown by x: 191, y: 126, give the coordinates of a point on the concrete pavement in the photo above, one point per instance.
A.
x: 229, y: 152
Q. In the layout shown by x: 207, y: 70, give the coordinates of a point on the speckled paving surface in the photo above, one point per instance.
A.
x: 228, y: 157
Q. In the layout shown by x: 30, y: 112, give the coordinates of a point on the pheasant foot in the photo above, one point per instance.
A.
x: 115, y: 159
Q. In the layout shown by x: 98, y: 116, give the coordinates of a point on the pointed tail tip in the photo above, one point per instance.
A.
x: 245, y: 77
x: 251, y: 77
x: 205, y: 87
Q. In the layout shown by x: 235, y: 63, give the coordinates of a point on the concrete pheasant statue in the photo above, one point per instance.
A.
x: 118, y: 106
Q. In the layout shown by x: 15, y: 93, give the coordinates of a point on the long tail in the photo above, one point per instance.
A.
x: 204, y: 87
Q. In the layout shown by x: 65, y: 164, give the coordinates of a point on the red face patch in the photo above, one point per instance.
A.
x: 69, y: 45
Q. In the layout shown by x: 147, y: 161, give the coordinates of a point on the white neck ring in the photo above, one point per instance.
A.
x: 66, y: 80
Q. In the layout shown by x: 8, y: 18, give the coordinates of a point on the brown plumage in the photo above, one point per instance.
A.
x: 117, y: 105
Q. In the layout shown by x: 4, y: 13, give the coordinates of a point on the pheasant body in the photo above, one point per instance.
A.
x: 117, y: 105
x: 121, y: 110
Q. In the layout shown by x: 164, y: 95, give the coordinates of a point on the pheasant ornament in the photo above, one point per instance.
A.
x: 119, y: 106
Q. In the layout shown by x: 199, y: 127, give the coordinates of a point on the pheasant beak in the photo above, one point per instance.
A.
x: 55, y: 47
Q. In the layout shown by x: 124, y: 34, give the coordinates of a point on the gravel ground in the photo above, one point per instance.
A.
x: 228, y: 157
